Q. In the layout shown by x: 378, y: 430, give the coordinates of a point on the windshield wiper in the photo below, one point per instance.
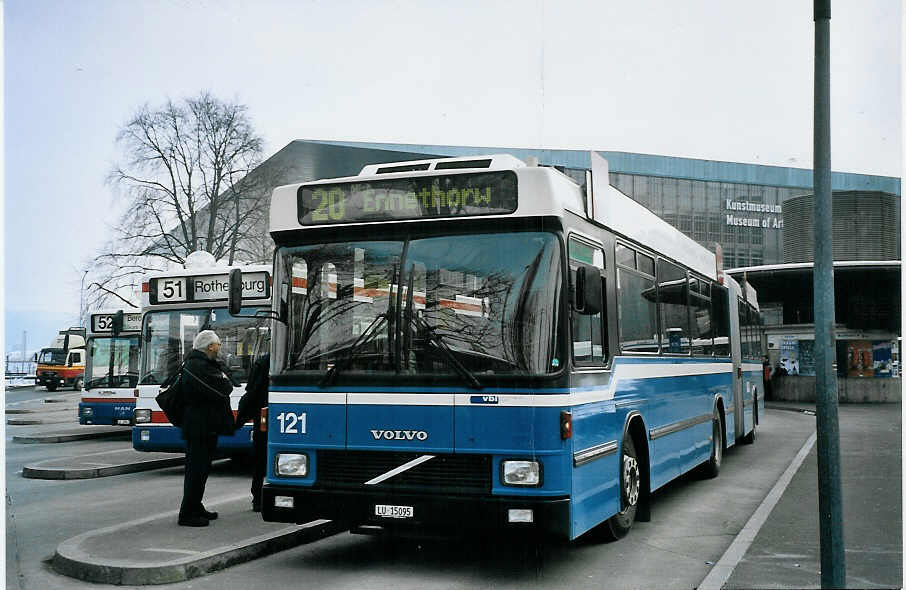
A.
x: 438, y: 340
x: 364, y: 338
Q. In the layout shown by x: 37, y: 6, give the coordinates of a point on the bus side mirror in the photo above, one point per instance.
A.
x: 235, y: 297
x: 588, y: 290
x: 148, y: 331
x: 117, y: 323
x: 34, y: 358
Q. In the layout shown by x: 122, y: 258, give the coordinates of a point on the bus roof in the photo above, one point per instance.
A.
x: 542, y: 191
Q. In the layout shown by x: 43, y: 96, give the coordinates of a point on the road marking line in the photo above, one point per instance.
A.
x: 180, y: 551
x: 723, y: 569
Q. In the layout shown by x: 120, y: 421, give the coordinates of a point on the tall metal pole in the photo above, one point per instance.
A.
x: 82, y: 298
x: 830, y: 495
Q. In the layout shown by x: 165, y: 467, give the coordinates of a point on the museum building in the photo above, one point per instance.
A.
x: 761, y: 216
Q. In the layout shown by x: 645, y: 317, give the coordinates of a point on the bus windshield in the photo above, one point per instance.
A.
x: 169, y: 336
x: 124, y: 353
x: 421, y: 306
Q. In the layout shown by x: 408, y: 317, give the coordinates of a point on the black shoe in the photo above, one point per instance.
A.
x: 193, y: 521
x: 256, y: 506
x: 208, y: 514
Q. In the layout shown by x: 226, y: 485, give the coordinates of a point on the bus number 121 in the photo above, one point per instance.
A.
x: 291, y: 423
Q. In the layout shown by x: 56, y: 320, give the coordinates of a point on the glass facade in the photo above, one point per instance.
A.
x: 746, y: 219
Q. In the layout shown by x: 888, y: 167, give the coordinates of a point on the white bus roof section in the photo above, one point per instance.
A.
x: 543, y: 191
x: 492, y: 162
x: 625, y: 216
x: 209, y: 270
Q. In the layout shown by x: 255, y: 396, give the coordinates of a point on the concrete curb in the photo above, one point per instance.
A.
x: 122, y: 432
x: 70, y: 561
x: 37, y: 472
x: 33, y: 421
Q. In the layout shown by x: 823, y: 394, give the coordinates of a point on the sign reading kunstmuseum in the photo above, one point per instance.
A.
x: 769, y: 216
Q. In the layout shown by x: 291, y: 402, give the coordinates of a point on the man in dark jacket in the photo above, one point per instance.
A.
x: 250, y: 405
x: 207, y: 397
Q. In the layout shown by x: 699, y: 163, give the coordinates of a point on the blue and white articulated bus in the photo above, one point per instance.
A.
x: 478, y: 343
x: 177, y: 305
x: 111, y: 369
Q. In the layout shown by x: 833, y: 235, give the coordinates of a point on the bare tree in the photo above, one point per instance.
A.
x: 185, y: 176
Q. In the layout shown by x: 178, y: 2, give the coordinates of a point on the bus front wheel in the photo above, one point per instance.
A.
x: 51, y: 387
x: 618, y: 525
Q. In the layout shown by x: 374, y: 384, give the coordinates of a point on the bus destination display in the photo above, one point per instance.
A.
x: 103, y: 322
x: 255, y: 285
x: 460, y: 195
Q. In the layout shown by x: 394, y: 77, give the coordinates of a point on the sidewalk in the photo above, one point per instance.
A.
x: 101, y: 464
x: 155, y: 550
x: 786, y: 551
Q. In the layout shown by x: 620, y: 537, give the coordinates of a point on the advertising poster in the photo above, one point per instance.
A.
x: 859, y: 359
x: 882, y: 358
x: 789, y: 355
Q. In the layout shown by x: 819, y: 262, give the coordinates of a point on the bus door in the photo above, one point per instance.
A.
x: 736, y: 356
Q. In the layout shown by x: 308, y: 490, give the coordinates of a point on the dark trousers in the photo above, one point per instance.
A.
x: 259, y: 442
x: 199, y: 455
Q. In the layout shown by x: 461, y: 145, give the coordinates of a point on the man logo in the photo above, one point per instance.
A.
x: 399, y: 434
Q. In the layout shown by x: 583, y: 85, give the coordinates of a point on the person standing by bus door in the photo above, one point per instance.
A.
x: 206, y: 390
x: 250, y: 405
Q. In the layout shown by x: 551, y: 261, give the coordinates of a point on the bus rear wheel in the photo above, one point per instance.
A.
x: 750, y: 437
x: 77, y: 386
x: 711, y: 468
x: 618, y: 525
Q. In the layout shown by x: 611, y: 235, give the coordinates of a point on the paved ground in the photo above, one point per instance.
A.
x: 786, y: 552
x: 783, y: 554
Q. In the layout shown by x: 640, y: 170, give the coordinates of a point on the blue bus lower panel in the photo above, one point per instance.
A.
x: 106, y: 413
x: 168, y: 439
x: 451, y: 512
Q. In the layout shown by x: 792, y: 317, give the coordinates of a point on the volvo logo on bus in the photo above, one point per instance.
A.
x: 399, y: 434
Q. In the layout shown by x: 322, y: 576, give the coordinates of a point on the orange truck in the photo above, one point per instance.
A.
x: 62, y: 364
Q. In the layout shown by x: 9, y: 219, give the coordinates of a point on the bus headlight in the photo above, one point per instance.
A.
x: 292, y: 464
x: 521, y: 473
x: 142, y: 416
x: 87, y: 411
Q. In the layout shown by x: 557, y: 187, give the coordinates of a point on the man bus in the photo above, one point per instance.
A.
x: 177, y: 305
x: 111, y: 370
x: 478, y: 343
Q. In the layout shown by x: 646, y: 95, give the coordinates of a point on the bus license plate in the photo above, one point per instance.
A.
x: 385, y: 511
x: 123, y: 422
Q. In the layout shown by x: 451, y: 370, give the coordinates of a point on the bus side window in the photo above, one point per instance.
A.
x: 589, y: 333
x: 720, y: 316
x: 636, y: 301
x: 673, y: 304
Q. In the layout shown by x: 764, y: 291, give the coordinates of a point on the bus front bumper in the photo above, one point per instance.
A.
x: 547, y: 515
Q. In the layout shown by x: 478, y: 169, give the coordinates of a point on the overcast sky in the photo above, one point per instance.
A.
x: 719, y: 79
